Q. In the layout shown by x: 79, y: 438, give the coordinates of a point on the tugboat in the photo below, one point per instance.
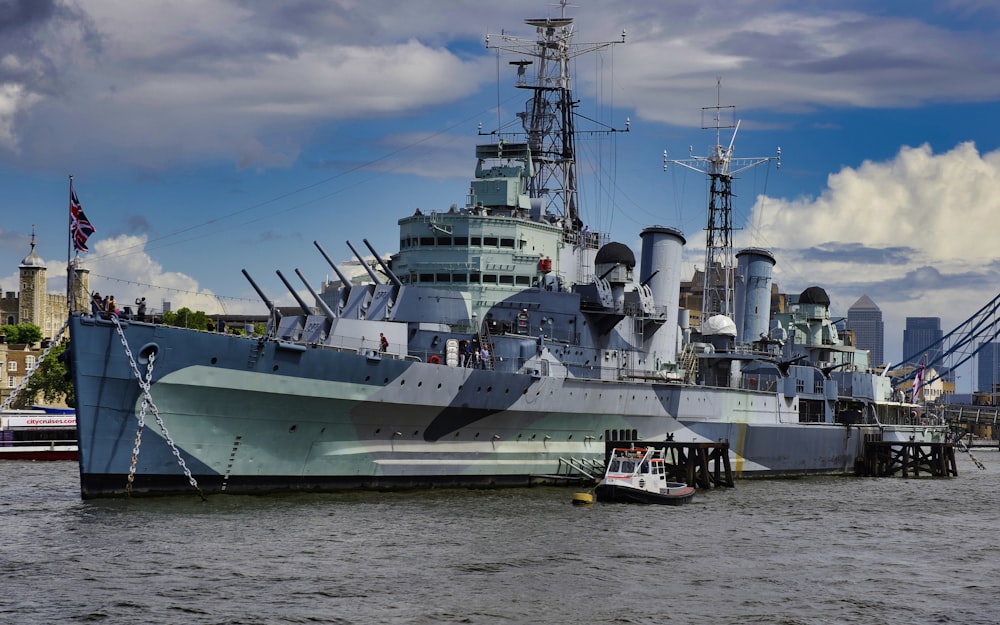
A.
x: 638, y: 475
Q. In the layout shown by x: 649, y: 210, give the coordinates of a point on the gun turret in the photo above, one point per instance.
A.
x: 829, y: 369
x: 785, y: 364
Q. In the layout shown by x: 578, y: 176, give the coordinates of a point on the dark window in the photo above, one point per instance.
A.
x: 474, y: 278
x: 506, y: 279
x: 489, y: 278
x: 427, y: 277
x: 444, y: 277
x: 458, y: 277
x: 506, y: 242
x: 428, y: 241
x: 461, y: 240
x: 490, y: 241
x: 525, y: 280
x: 476, y: 241
x: 444, y: 241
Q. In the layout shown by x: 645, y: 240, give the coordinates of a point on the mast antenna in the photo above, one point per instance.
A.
x: 721, y: 167
x: 548, y: 117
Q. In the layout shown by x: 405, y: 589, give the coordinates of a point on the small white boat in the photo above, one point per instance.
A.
x: 638, y: 475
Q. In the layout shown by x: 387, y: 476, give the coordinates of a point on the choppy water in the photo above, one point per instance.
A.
x: 810, y: 550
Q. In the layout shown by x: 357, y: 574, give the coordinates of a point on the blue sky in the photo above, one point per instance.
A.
x: 207, y: 137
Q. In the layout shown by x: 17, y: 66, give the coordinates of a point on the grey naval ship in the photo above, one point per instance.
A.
x: 516, y: 344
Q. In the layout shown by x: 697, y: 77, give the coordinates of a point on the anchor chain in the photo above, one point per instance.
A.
x: 147, y: 402
x: 27, y: 376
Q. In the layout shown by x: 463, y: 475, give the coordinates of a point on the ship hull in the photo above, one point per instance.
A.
x: 251, y: 415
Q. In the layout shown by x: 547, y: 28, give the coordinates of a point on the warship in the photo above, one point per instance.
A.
x: 504, y: 344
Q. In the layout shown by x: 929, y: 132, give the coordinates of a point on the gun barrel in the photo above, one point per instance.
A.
x: 267, y: 302
x: 396, y: 281
x: 361, y: 259
x: 302, y: 304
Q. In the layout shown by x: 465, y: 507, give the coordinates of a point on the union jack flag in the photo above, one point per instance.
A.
x: 918, y: 382
x: 80, y: 227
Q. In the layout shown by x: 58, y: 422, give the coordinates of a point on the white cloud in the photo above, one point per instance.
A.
x: 915, y: 233
x: 121, y: 267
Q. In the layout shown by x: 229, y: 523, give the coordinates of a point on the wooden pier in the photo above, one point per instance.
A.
x: 888, y: 458
x: 702, y: 465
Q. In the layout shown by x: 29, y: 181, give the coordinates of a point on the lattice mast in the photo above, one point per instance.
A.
x: 721, y: 167
x: 548, y: 117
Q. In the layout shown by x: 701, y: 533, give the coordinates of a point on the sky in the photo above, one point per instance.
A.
x: 205, y: 137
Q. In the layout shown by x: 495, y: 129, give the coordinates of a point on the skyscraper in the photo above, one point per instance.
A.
x: 919, y: 334
x: 864, y: 318
x: 987, y: 369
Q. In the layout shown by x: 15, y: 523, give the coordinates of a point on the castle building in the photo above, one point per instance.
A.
x: 34, y: 305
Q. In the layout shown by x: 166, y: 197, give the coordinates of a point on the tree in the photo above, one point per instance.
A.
x: 185, y: 318
x: 50, y: 380
x: 27, y: 333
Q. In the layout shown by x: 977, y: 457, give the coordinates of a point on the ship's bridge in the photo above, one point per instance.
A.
x: 469, y: 247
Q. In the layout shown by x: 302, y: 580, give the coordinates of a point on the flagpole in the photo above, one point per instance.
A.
x: 69, y: 250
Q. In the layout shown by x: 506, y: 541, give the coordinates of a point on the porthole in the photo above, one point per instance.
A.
x: 214, y: 360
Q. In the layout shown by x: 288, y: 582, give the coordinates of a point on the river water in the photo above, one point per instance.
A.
x: 790, y: 551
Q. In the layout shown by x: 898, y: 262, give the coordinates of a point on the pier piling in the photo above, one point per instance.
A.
x: 888, y: 458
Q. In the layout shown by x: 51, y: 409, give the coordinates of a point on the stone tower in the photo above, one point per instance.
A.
x: 31, y: 305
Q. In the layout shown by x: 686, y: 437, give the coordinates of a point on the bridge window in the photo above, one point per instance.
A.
x: 444, y: 277
x: 489, y: 278
x: 458, y: 277
x: 444, y: 241
x: 428, y: 241
x: 507, y: 243
x: 463, y: 241
x: 476, y: 241
x: 522, y: 280
x: 506, y: 279
x: 489, y: 241
x: 474, y: 278
x: 427, y: 277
